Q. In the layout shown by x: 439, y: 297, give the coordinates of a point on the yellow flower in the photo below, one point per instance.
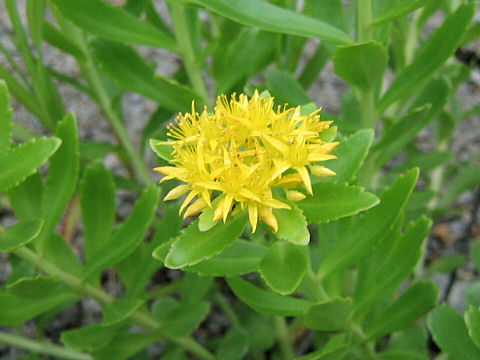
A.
x: 241, y: 153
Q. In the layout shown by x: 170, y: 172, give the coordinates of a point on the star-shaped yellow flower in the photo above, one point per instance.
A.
x: 241, y: 153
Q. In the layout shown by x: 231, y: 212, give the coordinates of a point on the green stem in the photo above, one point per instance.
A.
x: 187, y: 48
x: 367, y: 106
x: 44, y: 348
x: 283, y: 337
x: 138, y: 317
x: 93, y: 77
x: 364, y: 19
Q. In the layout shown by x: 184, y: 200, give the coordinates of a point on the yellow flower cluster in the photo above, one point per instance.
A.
x: 242, y: 152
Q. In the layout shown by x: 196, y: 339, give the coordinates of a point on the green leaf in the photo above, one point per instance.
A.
x: 26, y: 198
x: 193, y: 245
x: 285, y: 88
x: 195, y: 287
x: 398, y: 264
x: 124, y: 346
x: 401, y: 355
x: 331, y: 201
x: 398, y: 135
x: 97, y: 200
x: 17, y: 309
x: 333, y: 349
x: 467, y: 179
x: 60, y: 253
x: 412, y: 304
x: 273, y: 18
x: 266, y: 302
x: 19, y: 235
x: 397, y: 10
x: 292, y: 225
x: 88, y: 338
x: 438, y: 48
x: 234, y: 345
x: 450, y: 333
x: 242, y: 257
x: 6, y: 125
x: 118, y: 310
x: 475, y: 254
x: 472, y: 295
x: 113, y: 23
x: 371, y: 227
x: 34, y: 287
x: 350, y: 156
x: 248, y: 54
x: 446, y: 264
x: 329, y: 316
x: 128, y: 236
x: 62, y: 177
x: 472, y: 319
x: 284, y: 266
x: 130, y: 71
x: 55, y: 38
x: 179, y: 319
x: 23, y: 160
x: 163, y: 151
x: 362, y: 65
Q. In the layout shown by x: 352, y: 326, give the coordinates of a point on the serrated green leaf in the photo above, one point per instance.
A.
x: 371, y: 227
x: 19, y: 235
x: 242, y: 257
x: 413, y: 303
x: 285, y: 88
x: 329, y: 316
x: 16, y: 309
x: 266, y: 302
x: 179, y: 319
x: 398, y: 264
x: 130, y: 71
x: 88, y: 338
x: 193, y: 245
x: 6, y: 125
x: 163, y: 151
x: 128, y: 236
x: 284, y: 266
x: 350, y: 155
x: 113, y: 23
x: 23, y: 160
x: 62, y: 177
x: 438, y: 48
x: 450, y: 333
x: 292, y: 225
x: 472, y: 320
x: 97, y: 200
x: 273, y: 18
x: 34, y: 287
x: 331, y: 201
x: 60, y: 253
x: 118, y: 310
x: 362, y: 65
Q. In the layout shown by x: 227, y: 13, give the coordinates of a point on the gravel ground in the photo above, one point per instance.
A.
x: 326, y: 92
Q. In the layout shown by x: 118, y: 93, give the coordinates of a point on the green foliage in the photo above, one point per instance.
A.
x: 347, y: 263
